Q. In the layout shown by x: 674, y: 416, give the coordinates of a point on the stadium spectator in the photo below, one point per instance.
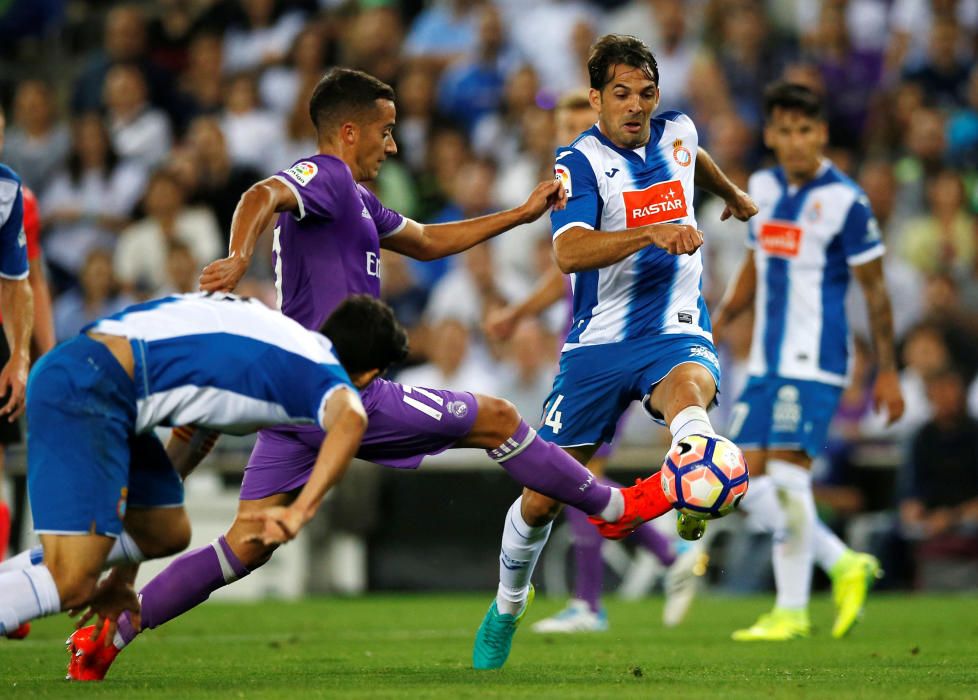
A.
x: 36, y: 144
x: 139, y: 132
x: 528, y: 368
x: 89, y: 202
x: 944, y: 74
x: 97, y: 295
x: 962, y: 129
x: 372, y: 42
x: 260, y: 36
x: 472, y: 87
x: 451, y: 362
x: 923, y: 148
x: 254, y: 135
x: 124, y: 41
x: 852, y: 74
x: 282, y: 87
x: 939, y: 510
x: 182, y: 269
x: 497, y: 135
x: 140, y: 256
x: 943, y: 238
x: 416, y: 113
x: 904, y: 283
x: 443, y: 32
x: 199, y: 88
x: 220, y: 181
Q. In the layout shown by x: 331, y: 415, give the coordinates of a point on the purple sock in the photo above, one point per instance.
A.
x: 587, y: 559
x: 186, y: 583
x: 547, y: 469
x: 647, y: 536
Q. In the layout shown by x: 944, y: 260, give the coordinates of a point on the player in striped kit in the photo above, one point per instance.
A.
x: 641, y: 330
x: 814, y: 230
x: 329, y: 229
x: 216, y: 361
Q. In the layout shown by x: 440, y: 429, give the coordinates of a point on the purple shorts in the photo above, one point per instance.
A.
x: 405, y: 424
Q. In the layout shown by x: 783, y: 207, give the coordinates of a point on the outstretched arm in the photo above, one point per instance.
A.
x: 256, y: 209
x: 709, y: 177
x: 345, y: 421
x: 433, y: 241
x: 886, y: 391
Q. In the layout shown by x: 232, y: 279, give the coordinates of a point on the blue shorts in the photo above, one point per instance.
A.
x: 84, y: 464
x: 774, y: 413
x: 597, y: 383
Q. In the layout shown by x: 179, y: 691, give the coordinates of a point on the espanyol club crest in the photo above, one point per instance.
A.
x: 680, y: 153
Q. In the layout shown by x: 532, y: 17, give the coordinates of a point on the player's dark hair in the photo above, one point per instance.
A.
x: 365, y: 334
x: 793, y: 97
x: 618, y: 49
x: 345, y: 94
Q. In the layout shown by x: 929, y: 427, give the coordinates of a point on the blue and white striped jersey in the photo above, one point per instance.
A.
x: 612, y: 189
x: 13, y: 240
x: 220, y: 361
x: 805, y: 238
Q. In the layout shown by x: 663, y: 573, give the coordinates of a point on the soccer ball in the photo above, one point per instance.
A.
x: 704, y: 476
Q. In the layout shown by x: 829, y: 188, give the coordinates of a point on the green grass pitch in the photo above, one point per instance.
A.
x: 420, y: 647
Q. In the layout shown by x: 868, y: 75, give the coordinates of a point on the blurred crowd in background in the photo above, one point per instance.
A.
x: 139, y: 126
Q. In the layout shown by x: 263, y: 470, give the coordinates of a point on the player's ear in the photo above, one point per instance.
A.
x: 362, y: 379
x: 594, y: 97
x: 349, y: 133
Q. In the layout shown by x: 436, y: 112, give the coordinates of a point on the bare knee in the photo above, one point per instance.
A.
x: 496, y: 423
x: 252, y: 555
x: 159, y: 532
x: 537, y: 509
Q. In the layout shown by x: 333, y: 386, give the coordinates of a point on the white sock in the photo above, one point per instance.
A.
x: 828, y: 547
x: 124, y: 551
x: 690, y: 420
x: 518, y: 557
x: 763, y: 507
x: 27, y: 558
x: 615, y: 508
x: 25, y: 595
x: 793, y: 557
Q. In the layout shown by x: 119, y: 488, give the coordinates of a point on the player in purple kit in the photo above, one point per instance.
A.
x: 327, y: 241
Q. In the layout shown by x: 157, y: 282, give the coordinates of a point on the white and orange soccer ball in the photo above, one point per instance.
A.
x: 704, y: 476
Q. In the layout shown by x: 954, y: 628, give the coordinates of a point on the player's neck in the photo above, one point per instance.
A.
x: 330, y: 148
x: 800, y: 178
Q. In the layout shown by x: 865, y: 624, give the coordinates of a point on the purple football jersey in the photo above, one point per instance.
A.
x: 330, y: 248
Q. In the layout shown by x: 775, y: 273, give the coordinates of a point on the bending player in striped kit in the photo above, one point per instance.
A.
x: 216, y: 361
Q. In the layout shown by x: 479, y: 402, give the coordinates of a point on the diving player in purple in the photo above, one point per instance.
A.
x: 327, y: 241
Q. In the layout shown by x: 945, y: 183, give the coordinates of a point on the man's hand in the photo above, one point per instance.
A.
x: 280, y: 524
x: 223, y: 275
x: 549, y: 193
x: 112, y: 598
x: 676, y: 239
x: 500, y: 323
x: 739, y: 205
x: 887, y: 394
x: 13, y: 381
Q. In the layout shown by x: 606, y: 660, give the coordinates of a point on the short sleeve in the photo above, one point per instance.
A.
x: 13, y: 242
x: 387, y: 220
x: 331, y: 377
x: 311, y: 184
x: 583, y: 198
x: 861, y: 239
